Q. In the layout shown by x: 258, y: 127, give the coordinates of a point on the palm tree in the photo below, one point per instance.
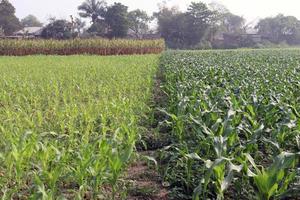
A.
x: 93, y: 9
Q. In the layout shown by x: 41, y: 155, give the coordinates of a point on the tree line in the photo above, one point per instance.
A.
x: 200, y: 26
x: 111, y: 21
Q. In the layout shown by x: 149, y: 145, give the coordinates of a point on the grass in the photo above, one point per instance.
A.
x: 235, y: 123
x: 69, y: 124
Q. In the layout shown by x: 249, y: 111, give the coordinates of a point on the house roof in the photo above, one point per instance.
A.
x: 29, y: 31
x: 252, y: 31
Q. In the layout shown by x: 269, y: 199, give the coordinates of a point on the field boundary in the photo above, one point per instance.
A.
x: 103, y: 47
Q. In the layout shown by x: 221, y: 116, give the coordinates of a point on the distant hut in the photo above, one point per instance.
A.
x: 146, y: 36
x: 241, y: 40
x: 29, y: 32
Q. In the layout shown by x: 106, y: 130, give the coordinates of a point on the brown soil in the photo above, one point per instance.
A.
x: 146, y: 182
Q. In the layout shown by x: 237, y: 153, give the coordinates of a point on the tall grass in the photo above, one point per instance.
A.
x: 80, y: 46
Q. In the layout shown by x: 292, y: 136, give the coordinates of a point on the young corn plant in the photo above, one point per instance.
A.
x: 223, y: 105
x: 273, y: 181
x: 69, y: 124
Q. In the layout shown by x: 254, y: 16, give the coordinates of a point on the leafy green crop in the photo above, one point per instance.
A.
x: 235, y: 123
x: 69, y: 124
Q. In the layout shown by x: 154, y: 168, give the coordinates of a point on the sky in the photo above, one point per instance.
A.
x: 252, y: 10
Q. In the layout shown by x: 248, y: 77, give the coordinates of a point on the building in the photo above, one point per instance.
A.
x: 146, y: 36
x: 29, y: 32
x: 241, y: 40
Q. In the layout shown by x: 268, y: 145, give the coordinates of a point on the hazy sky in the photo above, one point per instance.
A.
x: 250, y: 9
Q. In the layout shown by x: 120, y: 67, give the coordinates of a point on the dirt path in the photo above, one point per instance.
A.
x: 146, y: 182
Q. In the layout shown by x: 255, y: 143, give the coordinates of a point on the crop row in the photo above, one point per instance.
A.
x: 80, y: 46
x: 235, y: 119
x: 69, y: 124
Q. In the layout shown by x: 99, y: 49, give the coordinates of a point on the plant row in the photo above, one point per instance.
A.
x: 80, y: 46
x: 69, y: 124
x: 235, y: 121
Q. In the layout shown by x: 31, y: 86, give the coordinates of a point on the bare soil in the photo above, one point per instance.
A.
x: 146, y: 184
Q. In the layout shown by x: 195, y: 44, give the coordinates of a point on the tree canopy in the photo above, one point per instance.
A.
x: 138, y: 22
x: 280, y: 29
x: 232, y: 23
x: 93, y: 9
x: 8, y: 20
x: 116, y: 19
x: 168, y: 25
x: 184, y: 30
x: 57, y: 29
x: 200, y: 26
x: 31, y: 21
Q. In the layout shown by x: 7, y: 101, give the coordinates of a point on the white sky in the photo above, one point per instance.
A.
x: 250, y: 9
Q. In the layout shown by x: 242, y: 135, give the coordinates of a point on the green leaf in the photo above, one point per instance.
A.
x: 152, y: 159
x: 194, y: 156
x: 273, y: 190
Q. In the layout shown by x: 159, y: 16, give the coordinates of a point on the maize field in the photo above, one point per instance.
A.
x: 80, y: 46
x: 235, y: 124
x: 69, y: 124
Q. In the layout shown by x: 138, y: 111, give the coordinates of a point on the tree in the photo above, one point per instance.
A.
x: 218, y: 8
x: 280, y: 29
x: 116, y: 19
x: 170, y: 23
x: 96, y: 10
x: 200, y: 18
x: 8, y: 21
x: 31, y: 21
x: 224, y: 22
x: 98, y: 29
x: 233, y: 23
x: 57, y: 29
x: 138, y: 22
x: 93, y: 9
x: 184, y: 30
x: 77, y: 26
x: 1, y: 32
x: 164, y: 17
